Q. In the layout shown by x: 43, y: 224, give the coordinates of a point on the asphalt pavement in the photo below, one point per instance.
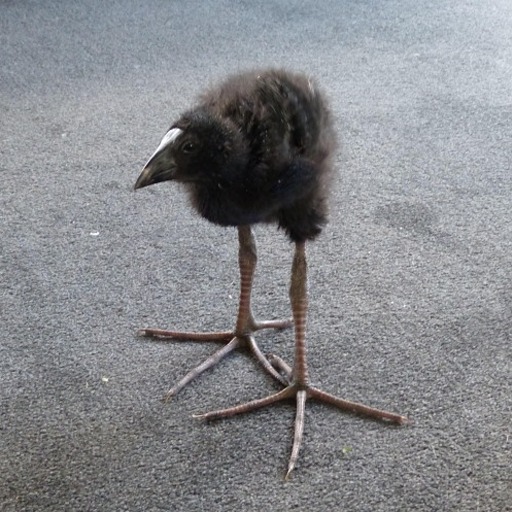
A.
x: 410, y: 282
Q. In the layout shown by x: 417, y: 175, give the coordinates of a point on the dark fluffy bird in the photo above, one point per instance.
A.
x: 257, y: 149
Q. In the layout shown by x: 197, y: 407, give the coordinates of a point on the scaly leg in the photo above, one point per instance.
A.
x: 298, y: 377
x: 245, y: 325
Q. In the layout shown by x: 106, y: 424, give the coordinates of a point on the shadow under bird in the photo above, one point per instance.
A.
x: 258, y: 149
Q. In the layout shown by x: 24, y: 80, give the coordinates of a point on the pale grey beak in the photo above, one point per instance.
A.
x: 161, y: 166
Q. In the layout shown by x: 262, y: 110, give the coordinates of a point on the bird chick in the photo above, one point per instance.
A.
x: 257, y: 149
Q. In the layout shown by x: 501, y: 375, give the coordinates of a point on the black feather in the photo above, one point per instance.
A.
x: 256, y: 149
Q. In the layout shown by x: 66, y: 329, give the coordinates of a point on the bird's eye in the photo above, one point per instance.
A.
x: 188, y: 147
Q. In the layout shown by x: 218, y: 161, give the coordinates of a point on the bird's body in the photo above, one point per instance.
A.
x: 262, y: 145
x: 257, y: 149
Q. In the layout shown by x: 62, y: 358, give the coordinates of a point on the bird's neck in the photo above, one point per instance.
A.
x: 224, y: 204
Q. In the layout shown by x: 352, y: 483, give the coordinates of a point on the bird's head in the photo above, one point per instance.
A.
x: 197, y: 148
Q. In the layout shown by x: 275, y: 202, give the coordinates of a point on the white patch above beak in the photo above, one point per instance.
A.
x: 168, y: 138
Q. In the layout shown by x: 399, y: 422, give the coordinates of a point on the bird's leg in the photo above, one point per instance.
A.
x: 298, y: 377
x: 299, y: 302
x: 247, y: 259
x: 244, y: 327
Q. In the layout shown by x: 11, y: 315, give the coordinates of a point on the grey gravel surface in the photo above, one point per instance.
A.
x: 410, y: 283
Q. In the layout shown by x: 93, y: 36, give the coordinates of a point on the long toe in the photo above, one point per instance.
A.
x: 186, y: 335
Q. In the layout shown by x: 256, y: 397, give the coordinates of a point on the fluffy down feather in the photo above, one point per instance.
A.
x: 255, y: 149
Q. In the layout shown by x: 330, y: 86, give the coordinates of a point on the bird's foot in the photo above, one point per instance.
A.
x: 233, y: 341
x: 302, y: 392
